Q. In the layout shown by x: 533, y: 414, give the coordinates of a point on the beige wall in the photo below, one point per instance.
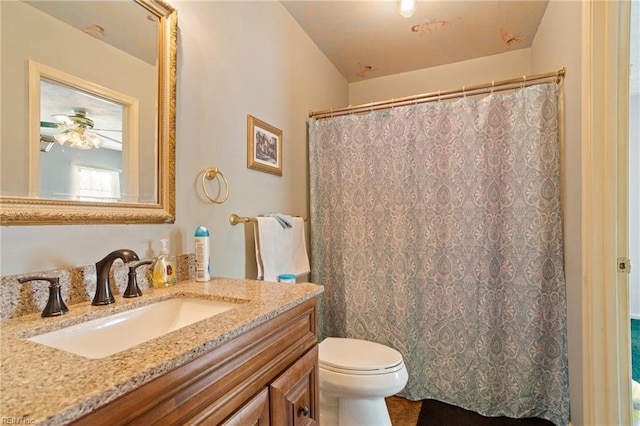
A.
x: 235, y: 58
x: 453, y: 76
x: 558, y: 44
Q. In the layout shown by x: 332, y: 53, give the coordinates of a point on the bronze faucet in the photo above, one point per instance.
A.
x: 55, y: 305
x: 132, y: 286
x: 103, y: 295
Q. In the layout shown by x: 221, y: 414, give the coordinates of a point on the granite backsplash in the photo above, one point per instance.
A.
x: 77, y: 285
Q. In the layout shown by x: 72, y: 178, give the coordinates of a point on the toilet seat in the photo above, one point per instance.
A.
x: 358, y: 357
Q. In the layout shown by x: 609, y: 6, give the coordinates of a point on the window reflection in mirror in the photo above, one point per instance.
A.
x: 82, y: 159
x: 83, y: 123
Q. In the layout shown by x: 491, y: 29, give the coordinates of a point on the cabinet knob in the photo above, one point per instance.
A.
x: 304, y: 410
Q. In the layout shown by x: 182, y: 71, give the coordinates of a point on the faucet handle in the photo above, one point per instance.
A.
x: 55, y: 305
x: 132, y: 286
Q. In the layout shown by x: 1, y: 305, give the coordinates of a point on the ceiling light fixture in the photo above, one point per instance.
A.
x: 77, y: 131
x: 406, y: 7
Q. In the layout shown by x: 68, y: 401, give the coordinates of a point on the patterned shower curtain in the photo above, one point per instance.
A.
x: 436, y: 230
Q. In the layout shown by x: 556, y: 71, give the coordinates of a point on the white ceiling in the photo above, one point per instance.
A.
x: 369, y: 39
x: 123, y: 24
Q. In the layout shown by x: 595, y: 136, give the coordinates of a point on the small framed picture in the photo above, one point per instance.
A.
x: 264, y: 146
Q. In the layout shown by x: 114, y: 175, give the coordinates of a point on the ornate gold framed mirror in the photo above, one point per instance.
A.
x: 88, y: 112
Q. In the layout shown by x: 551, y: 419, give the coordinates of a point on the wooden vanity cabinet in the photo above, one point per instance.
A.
x: 266, y: 376
x: 292, y: 393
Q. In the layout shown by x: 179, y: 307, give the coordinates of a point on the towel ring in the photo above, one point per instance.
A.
x: 210, y: 173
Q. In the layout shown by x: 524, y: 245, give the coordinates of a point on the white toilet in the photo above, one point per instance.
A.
x: 355, y: 378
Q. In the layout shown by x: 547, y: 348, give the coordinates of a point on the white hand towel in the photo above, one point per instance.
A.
x: 280, y: 250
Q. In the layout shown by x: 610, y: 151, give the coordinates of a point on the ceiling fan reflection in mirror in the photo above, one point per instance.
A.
x: 78, y: 130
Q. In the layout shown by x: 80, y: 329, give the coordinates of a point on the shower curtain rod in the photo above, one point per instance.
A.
x: 494, y: 86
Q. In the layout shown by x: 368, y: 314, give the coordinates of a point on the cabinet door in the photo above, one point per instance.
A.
x: 253, y: 413
x: 294, y: 394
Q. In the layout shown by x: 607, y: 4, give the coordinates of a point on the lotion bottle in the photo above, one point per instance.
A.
x: 203, y: 266
x: 164, y: 269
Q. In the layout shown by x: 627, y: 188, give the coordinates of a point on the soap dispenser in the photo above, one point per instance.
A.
x: 164, y: 268
x: 55, y: 305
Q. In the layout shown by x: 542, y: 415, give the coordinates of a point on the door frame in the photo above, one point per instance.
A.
x: 605, y: 305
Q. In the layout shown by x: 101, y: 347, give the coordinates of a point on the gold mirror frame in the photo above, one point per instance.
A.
x: 35, y: 211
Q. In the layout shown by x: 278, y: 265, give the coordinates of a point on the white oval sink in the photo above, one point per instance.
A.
x: 106, y: 336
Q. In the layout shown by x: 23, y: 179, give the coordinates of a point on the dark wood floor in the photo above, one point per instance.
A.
x: 407, y: 413
x: 402, y: 411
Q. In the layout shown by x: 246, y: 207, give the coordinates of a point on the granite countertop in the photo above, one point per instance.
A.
x: 43, y: 385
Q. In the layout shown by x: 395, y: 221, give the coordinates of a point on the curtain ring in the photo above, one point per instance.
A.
x: 210, y: 173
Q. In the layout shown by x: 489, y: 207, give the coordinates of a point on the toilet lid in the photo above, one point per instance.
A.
x: 357, y: 355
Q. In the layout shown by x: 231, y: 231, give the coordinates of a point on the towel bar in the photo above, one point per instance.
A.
x: 234, y: 219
